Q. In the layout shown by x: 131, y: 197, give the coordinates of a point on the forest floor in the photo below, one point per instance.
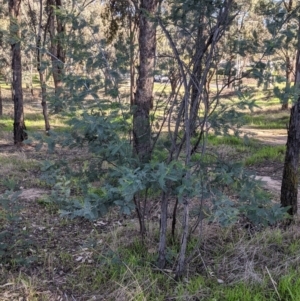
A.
x: 47, y: 257
x: 53, y: 258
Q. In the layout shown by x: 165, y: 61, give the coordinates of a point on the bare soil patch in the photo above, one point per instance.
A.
x: 272, y: 136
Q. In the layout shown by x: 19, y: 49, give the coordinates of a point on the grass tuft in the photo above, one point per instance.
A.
x: 266, y: 152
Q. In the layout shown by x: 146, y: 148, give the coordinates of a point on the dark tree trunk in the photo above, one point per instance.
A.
x: 143, y: 99
x: 289, y: 186
x: 17, y: 94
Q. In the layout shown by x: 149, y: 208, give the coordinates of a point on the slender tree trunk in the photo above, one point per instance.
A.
x: 184, y: 239
x: 17, y: 92
x: 1, y: 103
x: 288, y: 73
x: 44, y: 102
x: 57, y: 49
x: 143, y: 98
x: 132, y: 60
x: 30, y: 80
x: 60, y: 51
x: 41, y: 71
x: 163, y: 232
x: 197, y: 72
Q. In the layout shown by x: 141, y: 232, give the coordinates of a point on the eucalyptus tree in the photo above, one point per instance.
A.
x: 143, y: 101
x: 14, y: 7
x: 139, y: 18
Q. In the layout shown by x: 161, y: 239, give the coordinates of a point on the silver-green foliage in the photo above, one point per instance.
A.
x: 227, y: 190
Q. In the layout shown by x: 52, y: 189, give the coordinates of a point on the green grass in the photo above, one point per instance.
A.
x: 242, y: 146
x: 266, y: 103
x: 266, y: 152
x: 231, y: 141
x: 6, y: 123
x: 289, y: 286
x: 249, y: 151
x: 34, y: 122
x: 268, y: 120
x: 4, y: 85
x: 243, y: 292
x: 17, y: 161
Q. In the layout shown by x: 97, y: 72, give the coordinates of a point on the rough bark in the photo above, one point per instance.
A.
x: 56, y: 31
x: 289, y: 186
x: 143, y: 98
x: 17, y: 93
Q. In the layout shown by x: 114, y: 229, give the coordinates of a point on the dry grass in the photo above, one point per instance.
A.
x: 240, y: 255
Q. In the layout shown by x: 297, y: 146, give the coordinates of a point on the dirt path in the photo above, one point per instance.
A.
x: 272, y: 136
x: 270, y: 184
